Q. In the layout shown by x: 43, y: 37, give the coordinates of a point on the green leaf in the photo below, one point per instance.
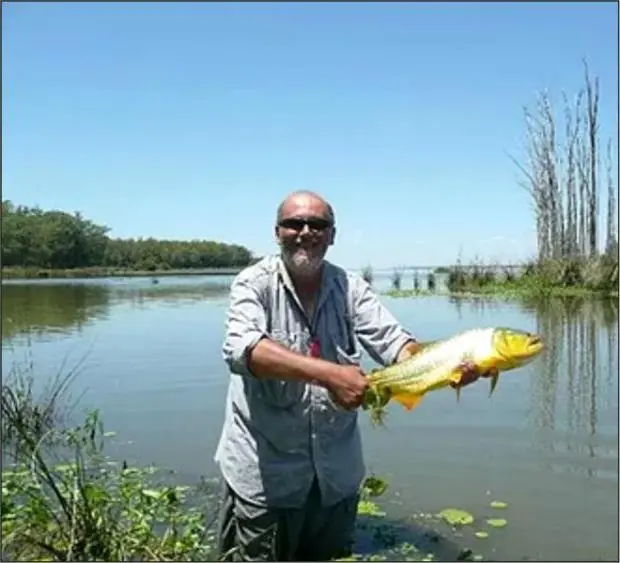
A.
x: 497, y: 522
x: 374, y: 486
x: 369, y: 508
x: 456, y: 516
x: 498, y: 504
x: 151, y: 493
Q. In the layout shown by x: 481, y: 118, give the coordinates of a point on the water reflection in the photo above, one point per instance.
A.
x: 575, y: 387
x: 169, y: 295
x: 475, y: 304
x: 574, y: 390
x: 45, y: 309
x: 40, y: 310
x: 573, y: 397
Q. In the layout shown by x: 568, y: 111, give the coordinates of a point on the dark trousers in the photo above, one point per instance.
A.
x: 312, y: 533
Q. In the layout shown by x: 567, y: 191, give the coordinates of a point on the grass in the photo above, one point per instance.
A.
x: 15, y: 273
x: 63, y: 499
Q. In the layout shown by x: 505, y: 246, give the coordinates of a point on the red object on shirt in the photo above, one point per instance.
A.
x: 315, y: 348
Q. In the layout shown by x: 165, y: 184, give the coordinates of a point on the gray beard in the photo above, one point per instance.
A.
x: 302, y: 264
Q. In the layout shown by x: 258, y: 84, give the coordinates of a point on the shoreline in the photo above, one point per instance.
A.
x: 26, y: 274
x: 508, y: 292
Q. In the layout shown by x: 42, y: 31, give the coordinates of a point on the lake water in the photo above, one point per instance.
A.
x: 546, y: 443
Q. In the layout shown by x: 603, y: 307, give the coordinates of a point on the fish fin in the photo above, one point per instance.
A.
x: 456, y: 376
x: 408, y: 401
x: 494, y: 380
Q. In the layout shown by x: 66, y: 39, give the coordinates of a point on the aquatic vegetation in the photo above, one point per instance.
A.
x: 369, y: 508
x: 28, y: 413
x: 497, y: 522
x: 481, y: 534
x: 97, y: 509
x: 456, y: 516
x: 63, y: 499
x: 498, y: 504
x: 374, y: 486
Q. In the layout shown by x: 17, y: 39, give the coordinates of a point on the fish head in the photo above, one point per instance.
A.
x: 514, y: 348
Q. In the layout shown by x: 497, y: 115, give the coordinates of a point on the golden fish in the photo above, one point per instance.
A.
x: 439, y: 364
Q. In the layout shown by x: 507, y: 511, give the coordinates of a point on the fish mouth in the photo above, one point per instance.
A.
x: 535, y: 344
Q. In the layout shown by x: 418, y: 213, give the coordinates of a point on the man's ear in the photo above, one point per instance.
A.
x: 332, y: 235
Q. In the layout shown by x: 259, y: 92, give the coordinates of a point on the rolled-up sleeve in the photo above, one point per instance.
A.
x: 376, y: 328
x: 245, y: 324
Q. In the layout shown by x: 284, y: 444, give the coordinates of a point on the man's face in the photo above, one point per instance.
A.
x: 304, y: 233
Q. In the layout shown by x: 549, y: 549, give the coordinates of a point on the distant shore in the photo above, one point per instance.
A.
x: 76, y: 273
x: 506, y: 291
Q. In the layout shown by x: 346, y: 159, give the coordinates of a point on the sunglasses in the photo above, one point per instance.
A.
x: 297, y: 223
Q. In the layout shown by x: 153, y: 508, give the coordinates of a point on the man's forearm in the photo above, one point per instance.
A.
x: 270, y: 359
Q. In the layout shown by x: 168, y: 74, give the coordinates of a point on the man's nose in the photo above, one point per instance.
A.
x: 304, y: 231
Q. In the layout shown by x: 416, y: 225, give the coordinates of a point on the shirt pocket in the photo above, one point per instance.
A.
x: 284, y: 394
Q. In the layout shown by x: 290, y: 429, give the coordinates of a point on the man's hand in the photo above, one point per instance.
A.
x: 347, y: 386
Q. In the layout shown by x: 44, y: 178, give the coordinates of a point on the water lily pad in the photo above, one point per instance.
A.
x: 497, y: 522
x: 369, y: 508
x: 498, y: 504
x: 481, y: 534
x: 456, y: 516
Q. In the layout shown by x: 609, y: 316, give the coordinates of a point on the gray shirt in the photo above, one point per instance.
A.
x: 278, y: 435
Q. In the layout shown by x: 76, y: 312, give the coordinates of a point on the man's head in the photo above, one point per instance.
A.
x: 305, y: 227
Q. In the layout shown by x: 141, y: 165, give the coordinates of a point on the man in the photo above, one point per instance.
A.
x: 290, y: 450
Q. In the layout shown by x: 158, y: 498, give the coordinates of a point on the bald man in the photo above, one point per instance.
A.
x: 290, y: 451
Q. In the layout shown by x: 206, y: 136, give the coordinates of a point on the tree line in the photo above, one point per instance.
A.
x: 34, y: 238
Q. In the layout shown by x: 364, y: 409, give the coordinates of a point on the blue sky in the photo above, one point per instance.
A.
x: 195, y: 120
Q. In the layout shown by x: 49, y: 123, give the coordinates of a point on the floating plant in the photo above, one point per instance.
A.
x: 498, y: 504
x: 456, y: 516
